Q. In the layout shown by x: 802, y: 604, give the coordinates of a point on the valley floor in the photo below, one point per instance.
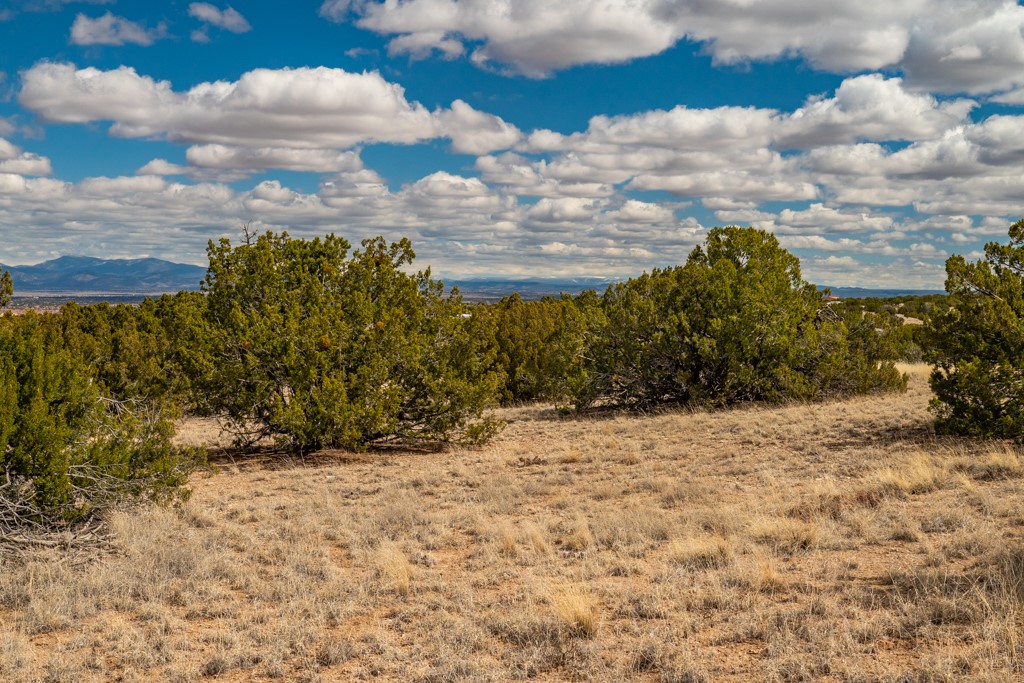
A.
x: 834, y: 542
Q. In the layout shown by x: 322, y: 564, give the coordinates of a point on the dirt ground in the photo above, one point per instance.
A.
x: 831, y: 542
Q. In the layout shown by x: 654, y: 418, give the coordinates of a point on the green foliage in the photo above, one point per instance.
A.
x: 6, y: 289
x: 128, y: 347
x: 300, y: 342
x: 68, y: 450
x: 977, y: 346
x: 911, y: 339
x: 735, y: 323
x: 913, y: 305
x: 539, y: 345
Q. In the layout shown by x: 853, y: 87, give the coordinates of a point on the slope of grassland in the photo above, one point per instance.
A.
x: 836, y: 542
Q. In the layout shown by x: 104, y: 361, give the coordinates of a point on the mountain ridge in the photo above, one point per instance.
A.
x: 88, y: 274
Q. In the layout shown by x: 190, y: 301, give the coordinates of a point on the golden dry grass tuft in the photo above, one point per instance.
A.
x: 577, y: 608
x: 394, y: 569
x: 839, y: 542
x: 918, y: 473
x: 702, y: 552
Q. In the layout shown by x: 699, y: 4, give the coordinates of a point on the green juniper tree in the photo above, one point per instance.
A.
x: 539, y: 345
x: 6, y: 289
x: 735, y: 323
x: 67, y: 449
x: 977, y: 345
x: 304, y: 343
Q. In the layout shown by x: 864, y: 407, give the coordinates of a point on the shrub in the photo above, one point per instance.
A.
x: 6, y: 289
x: 67, y: 450
x: 539, y: 345
x: 300, y: 342
x: 977, y: 345
x: 735, y: 323
x: 131, y: 348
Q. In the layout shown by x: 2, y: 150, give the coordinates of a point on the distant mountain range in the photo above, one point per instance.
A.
x: 865, y: 293
x: 492, y: 290
x: 87, y: 275
x: 486, y: 289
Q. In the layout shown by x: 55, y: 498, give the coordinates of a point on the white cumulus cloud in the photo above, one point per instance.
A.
x: 228, y: 19
x: 261, y: 158
x: 110, y: 29
x: 304, y: 108
x: 476, y: 132
x: 974, y: 47
x: 13, y: 160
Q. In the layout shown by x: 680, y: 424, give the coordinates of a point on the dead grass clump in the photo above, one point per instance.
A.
x: 523, y: 629
x: 969, y: 545
x: 998, y: 463
x: 676, y: 492
x: 505, y: 538
x: 758, y: 572
x: 15, y: 656
x: 940, y: 597
x: 394, y: 568
x: 649, y: 656
x: 580, y: 537
x: 334, y: 651
x: 831, y: 503
x: 398, y: 513
x: 785, y: 534
x: 635, y: 529
x: 577, y: 608
x: 700, y: 552
x: 723, y: 521
x: 945, y: 521
x: 646, y: 605
x: 683, y: 672
x: 535, y: 539
x: 938, y: 609
x: 1005, y: 574
x: 921, y: 473
x: 216, y: 665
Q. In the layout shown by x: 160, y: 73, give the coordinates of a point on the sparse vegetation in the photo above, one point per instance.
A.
x: 841, y: 541
x: 777, y: 541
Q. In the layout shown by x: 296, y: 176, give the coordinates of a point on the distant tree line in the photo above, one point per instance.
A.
x: 316, y: 346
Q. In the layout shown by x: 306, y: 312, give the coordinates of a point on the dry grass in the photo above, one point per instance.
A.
x: 577, y: 608
x: 395, y: 570
x: 919, y: 473
x: 838, y: 542
x: 704, y: 552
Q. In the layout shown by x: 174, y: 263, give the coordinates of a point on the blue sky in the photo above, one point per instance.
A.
x: 529, y: 138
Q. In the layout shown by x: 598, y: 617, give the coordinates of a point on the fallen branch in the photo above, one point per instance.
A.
x: 78, y: 526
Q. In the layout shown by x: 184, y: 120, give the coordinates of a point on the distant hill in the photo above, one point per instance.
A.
x: 485, y: 289
x: 865, y: 293
x: 495, y: 289
x: 84, y: 275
